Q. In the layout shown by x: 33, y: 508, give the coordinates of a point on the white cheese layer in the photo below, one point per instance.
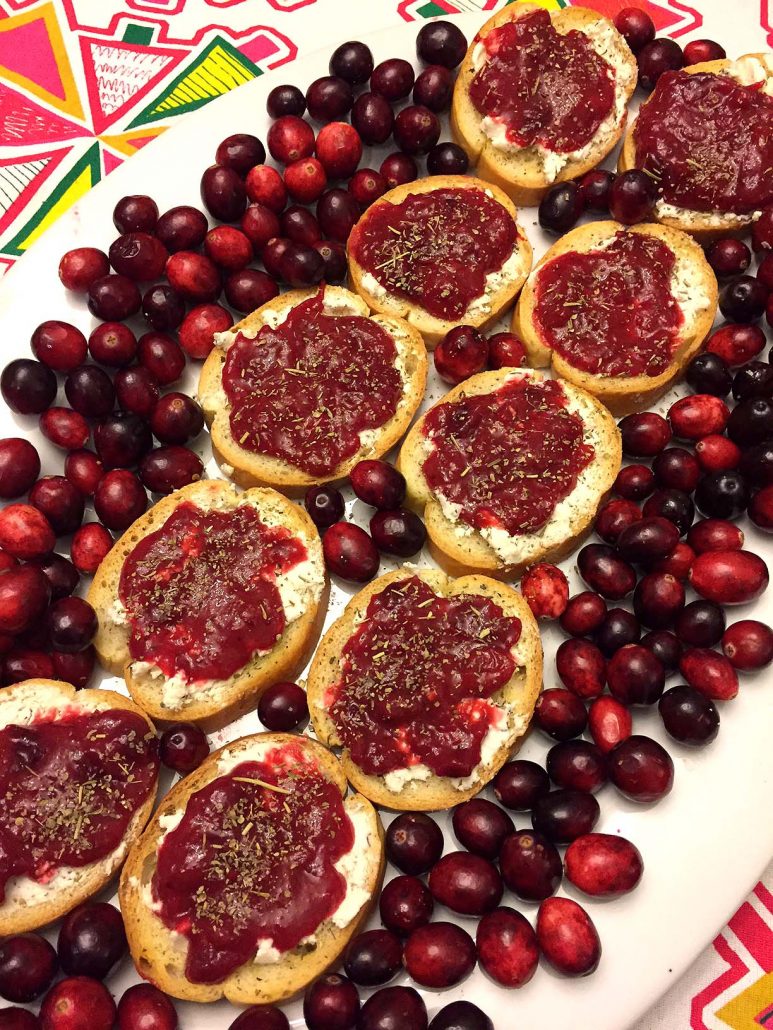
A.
x: 513, y: 268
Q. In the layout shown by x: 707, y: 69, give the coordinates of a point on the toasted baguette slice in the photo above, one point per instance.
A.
x: 461, y: 550
x: 246, y: 468
x: 517, y: 698
x: 498, y: 297
x: 624, y: 394
x: 705, y: 227
x: 29, y: 905
x: 523, y: 173
x: 160, y: 955
x: 219, y: 703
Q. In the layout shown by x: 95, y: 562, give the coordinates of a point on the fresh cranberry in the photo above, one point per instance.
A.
x: 441, y: 42
x: 61, y: 574
x: 641, y: 769
x: 28, y: 386
x: 301, y: 265
x: 249, y: 289
x: 698, y: 415
x: 560, y: 714
x: 162, y: 356
x: 223, y: 193
x: 284, y: 100
x: 23, y: 664
x: 519, y: 783
x: 193, y: 276
x: 753, y: 380
x: 228, y: 247
x: 259, y: 1017
x: 614, y: 517
x: 392, y: 79
x: 163, y: 307
x: 710, y: 673
x: 181, y: 228
x: 723, y: 495
x: 306, y: 179
x: 447, y: 159
x: 716, y: 453
x: 674, y: 505
x: 289, y: 139
x: 465, y: 883
x: 659, y: 56
x: 729, y: 256
x: 530, y: 865
x: 751, y: 421
x: 698, y: 51
x: 165, y: 469
x: 72, y: 625
x: 635, y: 675
x: 708, y: 373
x: 414, y: 843
x: 743, y: 299
x: 19, y: 467
x: 241, y: 151
x: 577, y: 765
x: 394, y: 1008
x: 736, y: 344
x: 644, y: 435
x: 648, y: 539
x: 546, y: 590
x: 603, y: 866
x: 433, y: 88
x: 144, y: 1007
x: 581, y: 667
x: 325, y: 505
x: 333, y: 254
x: 265, y: 186
x: 112, y: 344
x: 329, y: 98
x: 609, y: 722
x: 114, y: 298
x: 632, y: 197
x: 399, y: 532
x: 28, y: 964
x: 64, y: 428
x: 331, y: 1003
x: 139, y: 256
x: 136, y: 390
x: 59, y: 345
x: 199, y: 327
x: 338, y: 212
x: 507, y: 947
x: 756, y: 463
x: 14, y: 1018
x: 561, y: 207
x: 89, y: 391
x: 373, y: 958
x: 350, y: 553
x: 366, y: 186
x: 620, y: 627
x: 91, y: 940
x: 7, y: 561
x: 665, y: 646
x: 439, y: 955
x: 635, y: 482
x: 748, y: 644
x: 119, y: 499
x: 677, y: 468
x: 762, y: 231
x: 635, y: 26
x: 259, y: 224
x: 121, y: 440
x: 24, y: 595
x: 378, y: 484
x: 352, y: 62
x: 398, y: 169
x: 25, y: 532
x: 372, y: 118
x: 461, y: 1015
x: 658, y: 599
x: 339, y: 149
x: 563, y: 815
x: 461, y: 353
x: 700, y: 624
x: 273, y: 254
x: 765, y: 275
x: 594, y: 189
x: 481, y: 826
x: 135, y: 213
x: 405, y: 904
x: 689, y: 716
x: 183, y: 747
x: 283, y: 707
x: 77, y: 1003
x: 81, y: 266
x: 505, y: 350
x: 90, y: 544
x: 416, y: 129
x: 176, y: 419
x: 584, y: 613
x: 605, y: 571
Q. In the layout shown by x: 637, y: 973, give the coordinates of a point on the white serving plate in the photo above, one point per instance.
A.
x: 704, y: 846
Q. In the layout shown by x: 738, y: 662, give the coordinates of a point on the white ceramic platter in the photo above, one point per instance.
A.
x: 703, y: 846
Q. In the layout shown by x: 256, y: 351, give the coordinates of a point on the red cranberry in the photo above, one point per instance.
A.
x: 182, y: 228
x: 707, y: 373
x: 448, y: 159
x: 282, y: 707
x: 748, y: 644
x: 24, y: 595
x: 165, y: 469
x: 325, y: 505
x: 352, y: 62
x: 674, y: 505
x: 709, y: 673
x: 183, y: 747
x: 284, y: 100
x: 583, y: 614
x: 648, y: 540
x: 136, y: 390
x: 581, y: 667
x: 228, y: 247
x: 603, y: 866
x: 338, y: 212
x: 339, y: 148
x: 641, y: 769
x: 465, y: 883
x: 660, y: 55
x: 21, y: 664
x: 378, y: 484
x: 400, y: 532
x: 223, y: 193
x: 677, y: 468
x: 518, y: 784
x: 665, y: 646
x: 635, y: 675
x: 689, y: 716
x: 614, y: 517
x: 301, y: 265
x: 433, y: 88
x: 561, y: 207
x: 112, y: 344
x: 373, y: 958
x: 299, y: 225
x: 135, y: 213
x: 461, y: 353
x: 64, y: 428
x: 564, y: 815
x: 7, y: 561
x: 635, y: 482
x: 481, y: 826
x: 762, y: 231
x: 609, y: 722
x: 635, y: 26
x: 329, y: 99
x: 60, y: 502
x: 177, y: 419
x: 114, y: 298
x: 162, y: 356
x: 605, y: 571
x: 28, y: 386
x: 240, y: 152
x: 91, y: 940
x: 577, y: 765
x: 289, y: 139
x: 530, y: 865
x: 81, y: 266
x: 90, y: 544
x: 138, y: 256
x: 373, y: 118
x: 441, y: 42
x: 144, y: 1007
x: 697, y: 416
x: 194, y: 276
x: 394, y: 1008
x: 461, y: 1015
x: 736, y: 344
x: 546, y: 590
x: 729, y: 256
x: 632, y: 196
x: 756, y: 463
x: 398, y: 169
x: 306, y: 179
x: 19, y: 467
x: 265, y: 186
x: 163, y: 307
x: 61, y: 574
x: 59, y: 345
x: 716, y: 453
x: 439, y: 955
x: 392, y: 79
x: 723, y: 495
x: 700, y: 624
x: 657, y: 600
x: 121, y: 440
x: 331, y: 1003
x: 27, y: 966
x: 729, y: 577
x: 119, y: 499
x: 505, y: 350
x: 751, y: 421
x: 743, y: 299
x: 249, y: 289
x: 273, y: 254
x: 619, y: 628
x: 644, y: 435
x: 560, y: 714
x: 698, y: 51
x: 414, y: 843
x: 199, y: 327
x: 25, y: 532
x: 89, y: 391
x: 405, y: 904
x: 753, y: 380
x: 77, y: 1003
x: 416, y: 129
x: 594, y: 189
x: 765, y: 275
x: 507, y: 947
x: 259, y: 1017
x: 367, y: 185
x: 259, y: 224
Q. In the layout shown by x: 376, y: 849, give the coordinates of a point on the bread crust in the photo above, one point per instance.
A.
x: 240, y: 693
x: 160, y: 956
x: 704, y: 227
x: 246, y: 468
x: 521, y: 691
x: 521, y: 175
x: 621, y: 394
x: 471, y: 554
x: 23, y: 918
x: 431, y: 328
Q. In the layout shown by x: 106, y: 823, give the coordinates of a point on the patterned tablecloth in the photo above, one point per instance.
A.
x: 86, y: 83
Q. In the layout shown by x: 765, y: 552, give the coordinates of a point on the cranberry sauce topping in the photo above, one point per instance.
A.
x: 507, y: 458
x: 435, y: 249
x: 544, y: 87
x: 416, y: 678
x: 70, y: 786
x: 200, y: 593
x: 579, y: 297
x: 253, y: 860
x: 303, y: 392
x: 708, y: 140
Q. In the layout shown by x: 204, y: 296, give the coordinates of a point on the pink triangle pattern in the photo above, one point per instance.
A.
x: 22, y: 50
x: 110, y: 161
x: 20, y: 180
x: 25, y: 123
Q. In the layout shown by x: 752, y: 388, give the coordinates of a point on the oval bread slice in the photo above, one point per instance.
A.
x: 160, y: 955
x: 29, y: 905
x: 518, y: 696
x: 226, y: 700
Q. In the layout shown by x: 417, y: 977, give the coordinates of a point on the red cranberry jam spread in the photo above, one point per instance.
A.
x: 435, y: 249
x: 507, y: 458
x: 545, y: 87
x: 71, y: 783
x: 200, y: 592
x: 709, y: 141
x: 253, y: 860
x: 303, y: 392
x: 580, y: 297
x: 416, y: 679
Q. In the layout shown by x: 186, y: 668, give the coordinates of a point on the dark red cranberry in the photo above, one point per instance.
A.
x: 119, y: 499
x: 59, y: 345
x: 594, y: 189
x: 605, y: 571
x: 581, y: 667
x: 560, y: 714
x: 325, y: 505
x: 441, y: 42
x: 64, y: 428
x: 367, y: 185
x: 90, y: 391
x: 700, y: 624
x: 72, y: 625
x: 751, y: 421
x: 635, y: 675
x: 28, y: 964
x: 465, y: 883
x: 329, y: 99
x: 259, y: 224
x: 394, y: 1008
x: 91, y: 940
x: 447, y: 159
x: 19, y: 467
x: 644, y: 435
x: 176, y: 419
x: 223, y: 193
x: 414, y: 843
x: 114, y: 298
x: 135, y: 213
x: 25, y: 532
x: 193, y: 275
x: 28, y: 386
x: 439, y: 955
x: 632, y: 196
x: 165, y: 469
x: 603, y: 866
x: 139, y: 256
x: 563, y: 815
x: 416, y: 129
x: 481, y: 826
x: 736, y: 344
x: 462, y: 1015
x: 614, y: 517
x: 674, y: 505
x: 136, y: 390
x: 577, y: 765
x: 23, y: 664
x: 753, y: 380
x: 352, y: 62
x: 433, y: 88
x: 121, y: 440
x: 182, y: 228
x: 61, y: 574
x: 338, y: 212
x: 723, y: 495
x: 710, y: 673
x: 398, y: 169
x: 505, y: 350
x: 78, y: 1003
x: 698, y: 51
x: 273, y: 254
x: 658, y: 599
x: 635, y: 26
x: 144, y: 1007
x: 24, y: 596
x: 635, y: 482
x: 658, y: 56
x: 241, y: 151
x: 648, y: 539
x: 400, y: 532
x: 163, y: 307
x: 677, y: 468
x: 373, y: 958
x: 507, y: 948
x: 301, y: 265
x: 715, y: 453
x: 162, y: 356
x: 406, y: 903
x: 283, y: 707
x: 183, y: 747
x: 748, y: 645
x: 584, y: 614
x: 743, y: 299
x: 530, y: 865
x: 762, y: 231
x: 249, y: 288
x: 729, y: 256
x: 519, y: 783
x: 350, y: 553
x: 284, y: 100
x: 392, y: 79
x: 90, y: 545
x: 299, y: 225
x: 756, y: 463
x: 689, y: 716
x: 609, y: 722
x: 707, y: 373
x: 378, y: 484
x: 112, y: 344
x: 81, y: 266
x: 461, y: 353
x: 665, y: 646
x: 765, y: 274
x: 561, y: 207
x: 641, y: 769
x: 331, y: 1003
